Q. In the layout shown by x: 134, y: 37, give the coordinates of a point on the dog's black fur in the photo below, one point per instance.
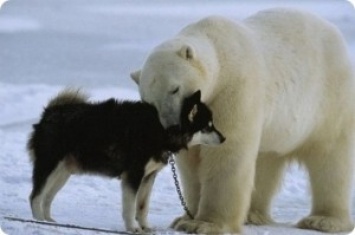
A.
x: 107, y: 138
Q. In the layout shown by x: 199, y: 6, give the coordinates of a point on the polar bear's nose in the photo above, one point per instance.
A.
x: 168, y: 120
x: 169, y: 111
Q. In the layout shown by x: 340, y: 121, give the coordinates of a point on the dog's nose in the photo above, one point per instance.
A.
x: 222, y: 138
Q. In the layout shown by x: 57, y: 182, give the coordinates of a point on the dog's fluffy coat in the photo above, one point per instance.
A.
x: 111, y: 138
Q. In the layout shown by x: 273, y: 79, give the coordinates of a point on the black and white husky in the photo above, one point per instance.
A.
x: 116, y: 139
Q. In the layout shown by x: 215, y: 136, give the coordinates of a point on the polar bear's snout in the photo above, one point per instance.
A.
x: 168, y: 117
x: 168, y: 109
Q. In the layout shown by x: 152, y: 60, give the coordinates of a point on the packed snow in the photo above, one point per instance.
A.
x: 47, y: 45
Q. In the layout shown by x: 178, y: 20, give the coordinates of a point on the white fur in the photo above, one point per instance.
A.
x: 59, y: 182
x: 153, y: 166
x: 143, y: 197
x: 128, y: 207
x: 144, y: 192
x: 41, y: 204
x: 209, y: 138
x: 280, y: 86
x: 135, y: 204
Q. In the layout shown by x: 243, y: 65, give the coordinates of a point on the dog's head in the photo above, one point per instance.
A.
x: 196, y: 126
x: 197, y: 122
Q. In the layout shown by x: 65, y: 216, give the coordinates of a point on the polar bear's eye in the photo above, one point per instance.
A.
x: 176, y: 90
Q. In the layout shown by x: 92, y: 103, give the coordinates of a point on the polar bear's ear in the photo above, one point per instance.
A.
x: 136, y: 76
x: 187, y: 52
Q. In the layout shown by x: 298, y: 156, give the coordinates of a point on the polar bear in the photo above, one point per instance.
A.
x: 281, y: 87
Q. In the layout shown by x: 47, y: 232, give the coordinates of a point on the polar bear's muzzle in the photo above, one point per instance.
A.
x: 169, y: 112
x: 168, y: 119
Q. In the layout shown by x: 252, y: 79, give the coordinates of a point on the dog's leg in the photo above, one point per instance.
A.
x: 128, y: 205
x: 43, y: 173
x: 60, y: 177
x: 143, y: 197
x: 36, y: 206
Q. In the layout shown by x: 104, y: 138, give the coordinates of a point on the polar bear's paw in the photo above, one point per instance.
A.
x: 199, y: 227
x: 326, y: 224
x: 258, y: 218
x: 179, y: 220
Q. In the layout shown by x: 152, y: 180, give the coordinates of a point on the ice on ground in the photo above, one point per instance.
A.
x: 94, y: 201
x: 46, y: 45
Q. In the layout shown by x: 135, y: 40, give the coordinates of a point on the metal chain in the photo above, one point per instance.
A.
x: 177, y: 185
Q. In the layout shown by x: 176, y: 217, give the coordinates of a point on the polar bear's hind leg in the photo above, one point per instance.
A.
x: 269, y: 171
x: 331, y: 183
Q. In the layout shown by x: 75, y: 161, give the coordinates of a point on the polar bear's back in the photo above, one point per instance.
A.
x: 305, y: 66
x: 295, y: 33
x: 309, y: 70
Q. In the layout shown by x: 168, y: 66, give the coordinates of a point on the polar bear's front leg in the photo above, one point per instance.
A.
x: 188, y: 163
x: 226, y: 186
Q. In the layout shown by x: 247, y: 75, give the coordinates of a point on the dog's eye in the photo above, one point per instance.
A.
x: 176, y: 90
x: 208, y: 128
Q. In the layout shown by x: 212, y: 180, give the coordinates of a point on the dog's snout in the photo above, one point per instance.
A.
x: 221, y: 137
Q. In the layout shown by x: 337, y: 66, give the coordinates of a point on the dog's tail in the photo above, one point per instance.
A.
x: 68, y: 96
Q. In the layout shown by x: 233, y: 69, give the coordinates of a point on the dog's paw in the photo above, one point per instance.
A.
x: 199, y: 227
x: 257, y: 218
x: 49, y: 219
x: 147, y: 229
x: 144, y: 225
x: 133, y: 226
x: 135, y: 229
x: 326, y: 224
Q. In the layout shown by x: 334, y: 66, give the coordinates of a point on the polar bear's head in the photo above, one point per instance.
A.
x: 172, y: 72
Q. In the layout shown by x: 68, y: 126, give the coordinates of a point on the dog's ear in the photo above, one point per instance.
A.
x: 195, y: 100
x: 196, y: 97
x: 136, y: 76
x: 193, y: 113
x: 190, y: 107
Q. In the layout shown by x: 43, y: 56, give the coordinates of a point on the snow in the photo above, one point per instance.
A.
x: 46, y: 45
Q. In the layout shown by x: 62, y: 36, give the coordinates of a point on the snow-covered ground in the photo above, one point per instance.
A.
x: 46, y: 45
